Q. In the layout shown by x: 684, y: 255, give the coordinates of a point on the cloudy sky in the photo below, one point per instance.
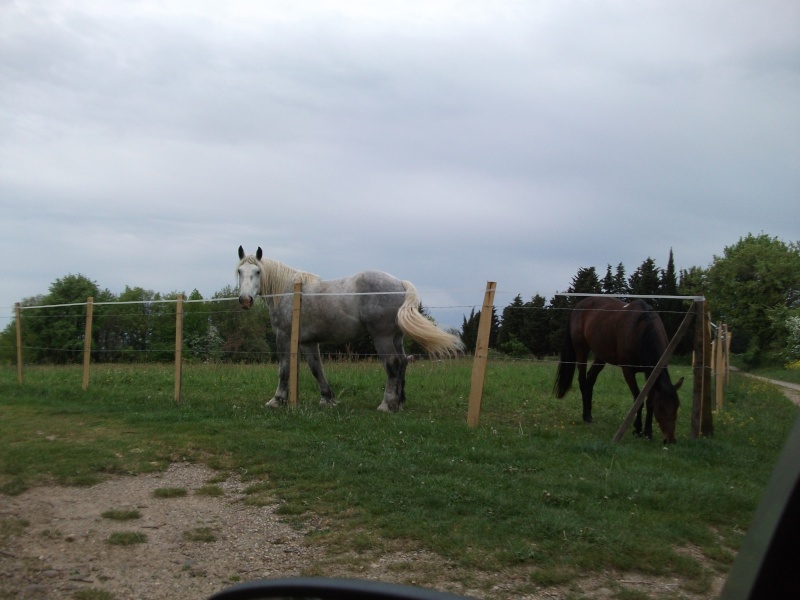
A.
x: 450, y: 143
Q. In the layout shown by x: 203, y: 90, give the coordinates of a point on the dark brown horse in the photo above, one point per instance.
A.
x: 630, y: 336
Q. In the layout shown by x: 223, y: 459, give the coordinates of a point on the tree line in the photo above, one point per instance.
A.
x: 754, y: 287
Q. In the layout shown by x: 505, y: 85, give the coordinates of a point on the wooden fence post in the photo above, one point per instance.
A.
x: 178, y: 348
x: 19, y: 343
x: 294, y: 344
x: 481, y: 356
x: 728, y: 337
x: 707, y: 423
x: 87, y: 342
x: 702, y: 419
x: 719, y: 374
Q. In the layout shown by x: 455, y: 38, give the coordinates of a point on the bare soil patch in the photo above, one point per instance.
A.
x: 54, y: 544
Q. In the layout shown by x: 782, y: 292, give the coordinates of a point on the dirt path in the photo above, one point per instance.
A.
x: 54, y: 544
x: 64, y: 547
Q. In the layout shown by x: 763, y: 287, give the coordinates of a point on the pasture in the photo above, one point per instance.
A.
x: 532, y: 490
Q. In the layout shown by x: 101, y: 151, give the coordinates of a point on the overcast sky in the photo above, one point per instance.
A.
x: 448, y: 143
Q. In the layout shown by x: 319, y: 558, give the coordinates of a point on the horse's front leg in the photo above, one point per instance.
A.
x: 586, y: 383
x: 311, y: 354
x: 282, y: 391
x: 630, y: 379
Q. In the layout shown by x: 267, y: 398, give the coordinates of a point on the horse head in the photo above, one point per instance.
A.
x: 249, y: 273
x: 665, y: 408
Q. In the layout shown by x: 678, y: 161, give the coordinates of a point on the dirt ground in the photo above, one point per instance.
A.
x: 54, y: 544
x: 63, y: 550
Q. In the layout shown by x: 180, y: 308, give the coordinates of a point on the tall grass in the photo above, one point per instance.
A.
x: 531, y: 487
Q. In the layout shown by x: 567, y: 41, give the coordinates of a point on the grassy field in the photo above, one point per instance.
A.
x: 531, y: 488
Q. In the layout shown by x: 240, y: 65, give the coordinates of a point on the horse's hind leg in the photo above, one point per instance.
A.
x: 394, y: 362
x: 398, y: 347
x: 311, y: 354
x: 586, y: 383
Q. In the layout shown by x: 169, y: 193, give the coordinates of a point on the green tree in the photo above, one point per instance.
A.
x: 646, y: 280
x: 692, y: 282
x: 753, y: 279
x: 55, y: 333
x: 536, y: 327
x: 670, y: 310
x: 585, y: 281
x: 616, y: 284
x: 246, y: 334
x: 511, y: 325
x: 469, y: 330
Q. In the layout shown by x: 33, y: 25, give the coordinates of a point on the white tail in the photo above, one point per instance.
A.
x: 414, y: 324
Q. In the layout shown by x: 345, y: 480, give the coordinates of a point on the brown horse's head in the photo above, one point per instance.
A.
x: 665, y: 407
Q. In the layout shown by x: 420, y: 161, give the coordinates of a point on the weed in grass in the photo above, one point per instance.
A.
x: 169, y: 492
x: 121, y: 514
x: 127, y: 538
x: 213, y: 491
x: 259, y: 494
x: 200, y: 534
x: 218, y: 478
x: 52, y: 534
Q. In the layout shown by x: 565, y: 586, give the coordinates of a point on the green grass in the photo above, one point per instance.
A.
x: 121, y: 514
x: 531, y: 488
x: 127, y: 538
x: 169, y: 492
x: 792, y: 375
x: 200, y: 534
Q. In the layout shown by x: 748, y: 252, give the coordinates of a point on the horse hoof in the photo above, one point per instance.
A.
x: 327, y: 402
x: 274, y: 403
x: 384, y: 407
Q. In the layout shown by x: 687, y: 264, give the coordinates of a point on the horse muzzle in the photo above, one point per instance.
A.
x: 245, y: 301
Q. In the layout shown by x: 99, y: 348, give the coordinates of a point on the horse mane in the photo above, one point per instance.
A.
x: 276, y: 277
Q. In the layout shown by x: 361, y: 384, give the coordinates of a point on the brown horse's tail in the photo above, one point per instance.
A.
x: 413, y: 323
x: 566, y: 367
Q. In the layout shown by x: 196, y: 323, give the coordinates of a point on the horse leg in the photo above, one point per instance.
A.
x: 398, y: 347
x: 282, y: 392
x: 586, y: 383
x: 394, y: 363
x: 630, y: 379
x: 311, y: 354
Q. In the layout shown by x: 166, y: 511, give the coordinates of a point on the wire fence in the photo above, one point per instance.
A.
x: 162, y: 333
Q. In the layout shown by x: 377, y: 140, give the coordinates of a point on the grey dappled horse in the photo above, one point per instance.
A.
x: 339, y: 311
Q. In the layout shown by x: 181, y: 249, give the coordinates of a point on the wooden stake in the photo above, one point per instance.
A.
x: 481, y: 356
x: 707, y: 423
x: 19, y: 343
x: 697, y: 371
x: 87, y: 343
x: 178, y: 348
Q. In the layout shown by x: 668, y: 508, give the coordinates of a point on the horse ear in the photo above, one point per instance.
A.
x: 259, y: 253
x: 241, y: 253
x: 678, y: 384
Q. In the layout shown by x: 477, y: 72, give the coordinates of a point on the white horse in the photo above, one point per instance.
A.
x: 340, y: 311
